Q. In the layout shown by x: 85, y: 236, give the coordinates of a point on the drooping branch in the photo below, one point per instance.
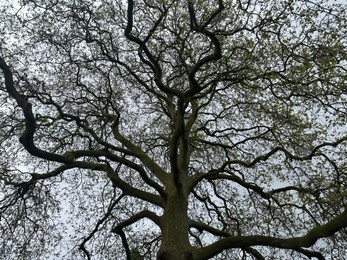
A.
x: 310, y: 253
x: 27, y: 137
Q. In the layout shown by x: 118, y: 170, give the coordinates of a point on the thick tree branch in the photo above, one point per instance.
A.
x: 143, y: 214
x: 217, y: 52
x: 310, y: 254
x: 214, y: 172
x: 27, y: 138
x: 153, y: 62
x: 295, y: 243
x: 115, y: 158
x: 119, y: 183
x: 204, y: 227
x: 137, y: 151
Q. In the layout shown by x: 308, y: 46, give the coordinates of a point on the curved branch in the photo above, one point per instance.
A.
x: 118, y: 229
x: 204, y: 227
x: 96, y: 228
x: 217, y: 52
x: 143, y: 214
x: 241, y: 182
x: 122, y: 160
x: 214, y: 172
x: 295, y: 243
x: 27, y: 137
x: 310, y: 254
x: 119, y: 183
x: 153, y: 63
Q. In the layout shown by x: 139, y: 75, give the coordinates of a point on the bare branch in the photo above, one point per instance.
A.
x: 100, y: 222
x: 27, y: 138
x: 326, y: 230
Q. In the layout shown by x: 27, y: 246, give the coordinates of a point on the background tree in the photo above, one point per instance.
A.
x: 173, y: 129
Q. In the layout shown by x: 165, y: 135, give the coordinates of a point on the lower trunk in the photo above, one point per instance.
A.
x: 175, y: 255
x: 174, y: 226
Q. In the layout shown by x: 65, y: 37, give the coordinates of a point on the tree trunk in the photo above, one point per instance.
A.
x: 174, y: 226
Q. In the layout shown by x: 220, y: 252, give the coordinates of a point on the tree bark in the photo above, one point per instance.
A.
x: 174, y: 226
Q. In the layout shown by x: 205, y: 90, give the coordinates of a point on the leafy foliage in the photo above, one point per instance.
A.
x: 173, y: 129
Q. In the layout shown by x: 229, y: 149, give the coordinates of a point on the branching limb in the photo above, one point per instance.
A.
x: 152, y: 61
x: 204, y: 227
x: 255, y: 253
x: 119, y: 228
x: 314, y: 152
x: 217, y: 52
x: 294, y: 243
x: 143, y: 214
x: 122, y: 160
x: 96, y: 228
x: 119, y: 183
x: 27, y: 138
x: 310, y: 254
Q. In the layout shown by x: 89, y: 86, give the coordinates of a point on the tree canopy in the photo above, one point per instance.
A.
x: 173, y: 129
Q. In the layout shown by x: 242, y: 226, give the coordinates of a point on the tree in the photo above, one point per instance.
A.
x: 173, y: 129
